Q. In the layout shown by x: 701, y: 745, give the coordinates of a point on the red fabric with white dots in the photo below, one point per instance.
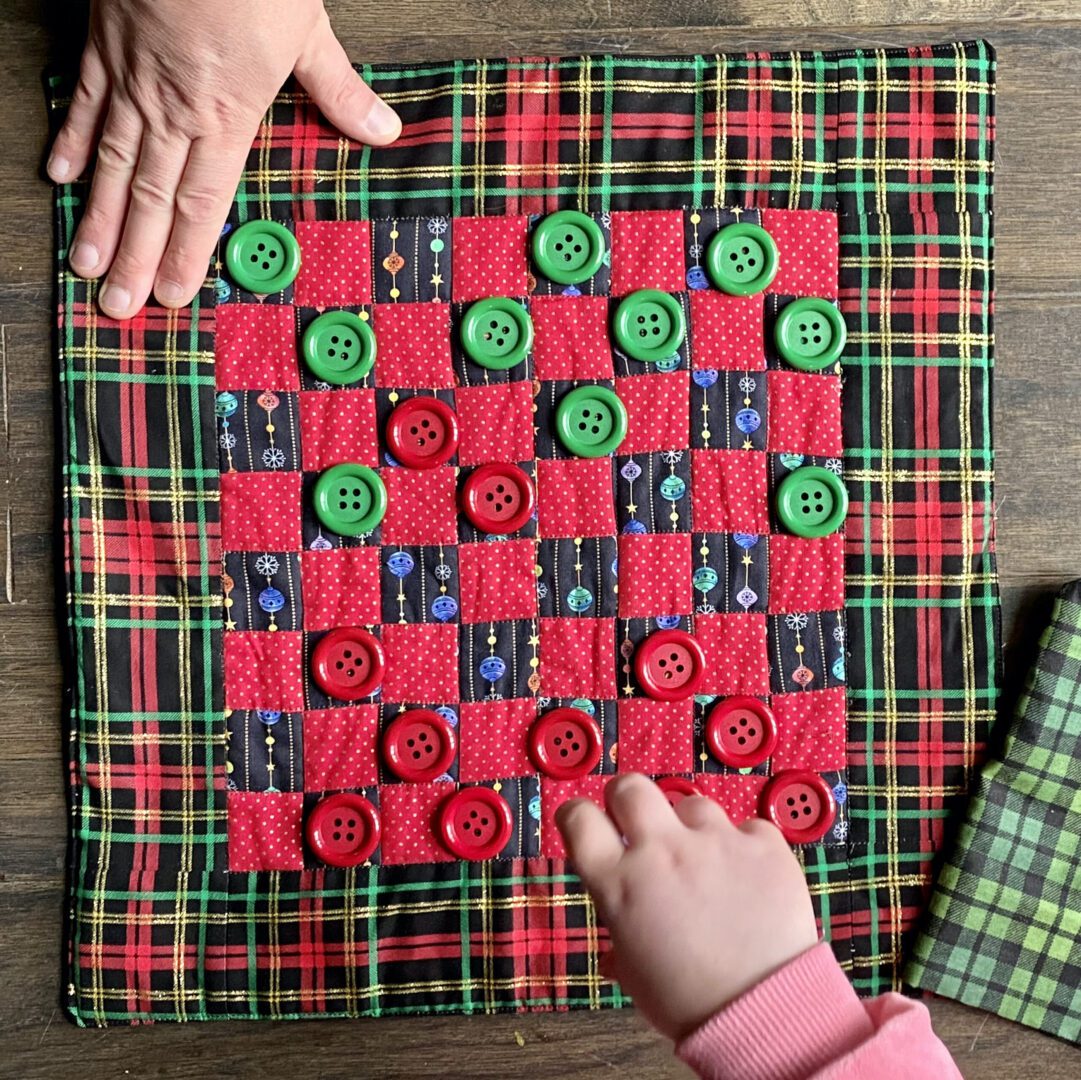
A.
x: 574, y: 498
x: 259, y: 511
x: 495, y: 423
x: 570, y: 337
x: 341, y: 748
x: 736, y: 653
x: 337, y: 426
x: 340, y: 587
x: 421, y: 505
x: 655, y: 575
x: 255, y: 347
x: 408, y: 814
x: 727, y: 331
x: 658, y: 412
x: 806, y: 574
x: 265, y: 830
x: 810, y: 729
x: 493, y: 742
x: 497, y: 580
x: 422, y: 663
x: 412, y: 346
x: 729, y: 491
x: 655, y: 736
x: 647, y: 251
x: 804, y: 413
x: 336, y: 264
x: 556, y: 792
x: 488, y: 257
x: 737, y: 795
x: 577, y: 657
x: 808, y: 250
x: 264, y: 670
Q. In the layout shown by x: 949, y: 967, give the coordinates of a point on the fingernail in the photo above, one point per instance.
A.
x: 58, y: 167
x: 84, y: 257
x: 168, y: 292
x: 115, y: 300
x: 383, y: 121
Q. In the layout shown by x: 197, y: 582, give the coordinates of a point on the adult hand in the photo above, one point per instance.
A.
x: 171, y: 94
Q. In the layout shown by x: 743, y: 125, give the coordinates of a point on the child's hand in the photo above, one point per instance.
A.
x: 699, y: 910
x: 172, y: 92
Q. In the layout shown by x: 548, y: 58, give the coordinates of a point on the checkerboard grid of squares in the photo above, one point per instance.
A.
x: 493, y: 632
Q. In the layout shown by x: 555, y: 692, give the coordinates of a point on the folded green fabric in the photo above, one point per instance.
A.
x: 1004, y: 925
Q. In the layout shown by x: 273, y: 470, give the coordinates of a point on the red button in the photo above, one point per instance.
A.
x: 741, y: 732
x: 475, y: 823
x: 343, y: 830
x: 800, y: 803
x: 498, y: 498
x: 565, y: 743
x: 677, y: 788
x: 669, y: 664
x: 423, y: 432
x: 348, y: 664
x: 419, y: 745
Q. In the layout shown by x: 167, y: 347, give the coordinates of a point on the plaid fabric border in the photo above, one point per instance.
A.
x: 1004, y: 925
x: 900, y: 144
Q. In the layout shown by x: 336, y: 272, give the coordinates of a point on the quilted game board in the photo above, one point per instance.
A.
x: 626, y: 415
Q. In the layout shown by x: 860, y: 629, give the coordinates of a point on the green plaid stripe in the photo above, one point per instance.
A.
x: 1004, y: 927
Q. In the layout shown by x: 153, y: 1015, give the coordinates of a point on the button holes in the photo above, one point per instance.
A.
x: 342, y: 506
x: 484, y: 821
x: 414, y: 431
x: 640, y: 319
x: 803, y: 797
x: 255, y: 258
x: 337, y: 836
x: 334, y: 340
x: 331, y: 352
x: 266, y: 266
x: 348, y: 654
x: 500, y: 342
x: 808, y: 810
x: 337, y: 822
x: 817, y: 340
x: 356, y: 506
x: 473, y: 814
x: 596, y: 431
x: 743, y: 721
x: 494, y: 324
x: 500, y: 488
x: 581, y: 427
x: 804, y: 496
x: 732, y: 731
x: 489, y: 497
x: 425, y: 423
x: 734, y: 257
x: 578, y: 248
x: 654, y: 317
x: 410, y: 742
x: 350, y: 837
x: 339, y: 665
x: 261, y: 247
x: 790, y: 801
x: 569, y: 238
x: 742, y: 740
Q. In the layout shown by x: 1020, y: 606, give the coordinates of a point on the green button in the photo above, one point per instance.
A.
x: 591, y: 421
x: 649, y: 325
x: 263, y: 257
x: 350, y: 499
x: 497, y: 333
x: 568, y: 247
x: 812, y: 501
x: 339, y: 347
x: 810, y: 333
x: 742, y: 259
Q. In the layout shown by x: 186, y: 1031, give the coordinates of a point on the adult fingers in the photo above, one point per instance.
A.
x: 698, y: 812
x: 202, y: 203
x: 345, y: 99
x: 638, y: 807
x: 74, y: 143
x: 118, y: 153
x: 592, y: 842
x: 149, y: 222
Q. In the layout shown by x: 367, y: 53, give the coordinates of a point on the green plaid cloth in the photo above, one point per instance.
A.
x: 1004, y: 929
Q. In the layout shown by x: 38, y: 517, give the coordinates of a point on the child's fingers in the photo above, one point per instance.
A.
x: 698, y: 812
x: 74, y: 143
x: 347, y: 102
x: 638, y: 807
x: 592, y: 842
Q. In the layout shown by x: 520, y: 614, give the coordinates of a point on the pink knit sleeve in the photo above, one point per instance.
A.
x: 805, y: 1022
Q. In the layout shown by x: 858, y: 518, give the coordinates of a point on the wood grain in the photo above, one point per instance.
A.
x: 1038, y: 400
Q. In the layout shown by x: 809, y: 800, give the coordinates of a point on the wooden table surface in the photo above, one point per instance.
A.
x: 1037, y: 405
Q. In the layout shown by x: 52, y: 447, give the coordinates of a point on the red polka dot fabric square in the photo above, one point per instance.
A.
x: 575, y: 498
x: 341, y: 587
x: 335, y: 264
x: 264, y: 670
x: 737, y: 795
x: 492, y: 739
x: 807, y: 247
x: 422, y: 663
x: 260, y: 511
x: 554, y: 793
x: 577, y: 658
x: 488, y: 257
x: 265, y: 830
x: 408, y: 815
x: 340, y: 748
x: 421, y: 506
x: 255, y: 347
x: 655, y: 575
x: 727, y: 332
x: 412, y: 346
x: 495, y: 422
x: 736, y: 653
x: 811, y: 729
x: 803, y: 415
x: 655, y: 736
x: 729, y: 491
x: 498, y: 580
x: 647, y: 251
x: 806, y: 574
x: 658, y: 412
x: 570, y: 337
x: 337, y: 426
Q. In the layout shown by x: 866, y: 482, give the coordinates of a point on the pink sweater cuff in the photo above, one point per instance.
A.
x: 787, y: 1027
